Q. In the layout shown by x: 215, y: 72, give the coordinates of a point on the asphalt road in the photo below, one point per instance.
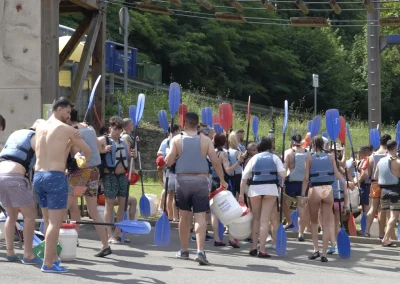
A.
x: 143, y: 262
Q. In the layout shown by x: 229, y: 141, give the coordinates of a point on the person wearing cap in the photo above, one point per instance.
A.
x: 295, y: 164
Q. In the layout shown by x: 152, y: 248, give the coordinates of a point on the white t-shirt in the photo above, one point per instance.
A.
x: 262, y: 189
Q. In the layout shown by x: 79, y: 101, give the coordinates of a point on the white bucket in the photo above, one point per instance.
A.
x: 225, y: 206
x: 354, y: 199
x: 101, y: 209
x: 68, y: 240
x: 241, y: 228
x: 2, y: 216
x: 153, y: 203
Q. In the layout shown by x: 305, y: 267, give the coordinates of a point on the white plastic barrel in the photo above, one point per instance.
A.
x: 100, y: 209
x: 354, y: 198
x: 153, y: 203
x: 2, y: 216
x: 225, y: 206
x: 68, y: 239
x: 241, y: 228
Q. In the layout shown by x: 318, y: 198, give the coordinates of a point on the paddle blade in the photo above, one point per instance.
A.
x: 215, y: 118
x: 352, y: 226
x: 348, y: 135
x: 203, y: 115
x: 286, y: 117
x: 332, y: 123
x: 309, y: 126
x: 144, y: 206
x: 225, y: 116
x: 218, y: 128
x: 325, y: 134
x: 209, y: 117
x: 295, y: 220
x: 374, y: 137
x: 398, y: 135
x: 162, y: 231
x: 342, y: 131
x: 363, y: 223
x: 91, y: 100
x: 132, y: 113
x: 254, y: 126
x: 119, y: 108
x: 183, y: 109
x: 174, y: 98
x: 343, y: 242
x: 221, y: 229
x: 316, y: 125
x: 134, y: 227
x: 162, y: 118
x: 281, y: 241
x: 140, y: 108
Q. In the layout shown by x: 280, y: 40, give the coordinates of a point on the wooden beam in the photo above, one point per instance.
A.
x: 72, y: 10
x: 86, y: 56
x: 74, y: 40
x: 87, y: 4
x: 99, y: 68
x: 49, y: 50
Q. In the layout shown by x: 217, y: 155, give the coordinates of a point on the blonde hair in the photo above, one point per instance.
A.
x: 233, y: 141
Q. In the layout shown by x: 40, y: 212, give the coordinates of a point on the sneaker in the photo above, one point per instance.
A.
x: 269, y: 239
x: 253, y: 252
x: 301, y: 239
x: 201, y: 258
x: 193, y: 238
x: 182, y: 254
x: 332, y: 250
x: 35, y: 260
x: 264, y: 255
x: 104, y: 252
x: 119, y: 239
x: 12, y: 258
x: 54, y: 269
x: 289, y: 226
x: 209, y: 238
x: 219, y: 244
x: 57, y: 262
x: 270, y: 246
x: 234, y: 245
x: 113, y: 241
x: 249, y: 240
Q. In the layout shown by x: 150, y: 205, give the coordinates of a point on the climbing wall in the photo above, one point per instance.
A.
x: 20, y: 64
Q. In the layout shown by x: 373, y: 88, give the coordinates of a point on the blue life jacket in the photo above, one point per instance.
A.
x: 232, y: 157
x: 18, y: 149
x: 386, y: 178
x: 118, y: 154
x: 336, y: 191
x: 321, y: 172
x: 264, y: 169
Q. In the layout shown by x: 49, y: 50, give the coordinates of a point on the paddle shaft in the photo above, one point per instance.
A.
x: 338, y: 181
x: 283, y: 161
x: 77, y: 222
x: 248, y: 123
x: 348, y: 191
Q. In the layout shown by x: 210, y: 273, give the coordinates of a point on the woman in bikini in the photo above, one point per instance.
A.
x: 320, y: 173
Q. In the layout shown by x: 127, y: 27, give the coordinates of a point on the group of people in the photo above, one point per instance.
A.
x: 195, y: 161
x: 68, y: 160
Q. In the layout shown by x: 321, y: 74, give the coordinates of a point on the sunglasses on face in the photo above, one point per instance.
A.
x: 206, y: 130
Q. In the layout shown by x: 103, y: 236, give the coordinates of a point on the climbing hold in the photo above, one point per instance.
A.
x: 25, y: 50
x: 18, y: 7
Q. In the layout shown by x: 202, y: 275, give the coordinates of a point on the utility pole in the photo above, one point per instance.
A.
x: 315, y: 85
x: 124, y: 22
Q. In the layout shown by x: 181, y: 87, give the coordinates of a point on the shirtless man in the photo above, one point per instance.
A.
x: 375, y: 190
x: 295, y: 163
x: 387, y: 174
x: 54, y: 139
x: 189, y: 151
x: 16, y: 191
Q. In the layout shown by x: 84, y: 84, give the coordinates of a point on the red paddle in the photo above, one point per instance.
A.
x: 225, y: 116
x: 215, y: 118
x: 342, y: 133
x: 183, y: 109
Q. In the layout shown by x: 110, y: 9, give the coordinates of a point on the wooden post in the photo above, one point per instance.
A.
x: 49, y: 34
x: 86, y: 56
x: 98, y: 68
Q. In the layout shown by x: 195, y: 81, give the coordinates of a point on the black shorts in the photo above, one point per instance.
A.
x: 235, y: 181
x: 364, y: 193
x: 293, y: 189
x: 191, y: 193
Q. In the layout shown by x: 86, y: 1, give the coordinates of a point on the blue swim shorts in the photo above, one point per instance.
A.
x: 51, y: 189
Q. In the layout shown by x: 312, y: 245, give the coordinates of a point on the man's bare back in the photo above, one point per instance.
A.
x: 53, y: 143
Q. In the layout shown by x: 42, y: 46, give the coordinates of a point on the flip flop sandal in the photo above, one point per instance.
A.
x: 367, y: 235
x: 389, y: 245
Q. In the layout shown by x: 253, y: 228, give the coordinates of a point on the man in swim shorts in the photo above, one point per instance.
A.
x: 54, y: 139
x: 189, y: 151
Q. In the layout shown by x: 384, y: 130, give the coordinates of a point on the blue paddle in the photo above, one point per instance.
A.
x: 162, y: 229
x: 218, y: 128
x: 281, y: 238
x: 363, y: 221
x: 208, y: 113
x: 374, y: 137
x: 203, y: 115
x: 254, y: 126
x: 91, y: 100
x: 174, y: 100
x: 295, y: 220
x: 325, y: 134
x: 162, y: 118
x: 315, y: 126
x: 309, y: 126
x: 333, y: 128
